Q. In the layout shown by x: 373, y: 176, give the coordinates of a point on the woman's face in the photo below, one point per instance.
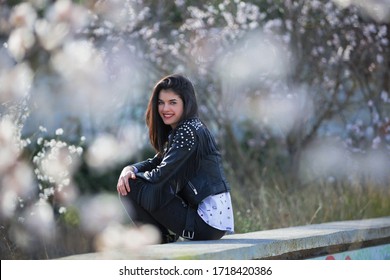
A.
x: 170, y: 107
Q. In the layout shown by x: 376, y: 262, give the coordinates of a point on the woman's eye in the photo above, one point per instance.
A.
x: 173, y: 102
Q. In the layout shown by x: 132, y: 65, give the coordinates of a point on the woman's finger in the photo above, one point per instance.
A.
x: 126, y: 183
x: 121, y: 188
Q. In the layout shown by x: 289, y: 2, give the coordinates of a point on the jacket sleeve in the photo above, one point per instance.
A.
x: 148, y: 164
x: 183, y: 145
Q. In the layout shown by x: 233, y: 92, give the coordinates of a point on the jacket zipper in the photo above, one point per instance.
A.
x: 192, y: 187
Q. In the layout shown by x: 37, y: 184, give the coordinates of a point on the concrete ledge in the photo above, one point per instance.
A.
x: 286, y: 243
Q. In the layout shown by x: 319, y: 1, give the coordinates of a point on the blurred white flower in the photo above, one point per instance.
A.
x: 39, y: 219
x: 343, y: 3
x: 247, y: 13
x: 179, y: 3
x: 255, y: 56
x: 103, y: 152
x: 106, y: 151
x: 56, y: 162
x: 329, y: 158
x: 9, y: 143
x: 88, y: 91
x: 51, y: 35
x: 376, y: 142
x: 77, y: 59
x: 385, y: 96
x: 379, y: 10
x: 324, y: 158
x: 19, y: 179
x: 23, y: 15
x: 374, y: 164
x: 100, y: 211
x: 15, y: 82
x: 66, y: 193
x: 62, y: 210
x: 122, y: 14
x: 347, y: 53
x: 65, y: 11
x: 39, y: 4
x: 8, y: 202
x: 280, y: 114
x: 118, y: 237
x: 19, y: 42
x: 40, y: 141
x: 59, y: 131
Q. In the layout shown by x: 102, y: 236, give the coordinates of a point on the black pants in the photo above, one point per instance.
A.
x: 167, y: 212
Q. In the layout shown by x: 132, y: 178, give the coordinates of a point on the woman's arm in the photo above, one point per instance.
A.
x: 148, y: 164
x: 183, y: 145
x: 128, y: 172
x: 123, y: 186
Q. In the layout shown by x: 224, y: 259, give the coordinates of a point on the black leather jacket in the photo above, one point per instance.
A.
x: 191, y: 165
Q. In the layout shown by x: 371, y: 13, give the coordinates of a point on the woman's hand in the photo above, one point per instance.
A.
x: 123, y: 186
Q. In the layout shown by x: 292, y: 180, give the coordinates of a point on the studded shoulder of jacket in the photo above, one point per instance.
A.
x: 185, y: 134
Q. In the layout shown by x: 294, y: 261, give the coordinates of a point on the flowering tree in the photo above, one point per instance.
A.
x: 303, y: 70
x: 64, y: 89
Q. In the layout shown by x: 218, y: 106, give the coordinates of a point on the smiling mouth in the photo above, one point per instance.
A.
x: 167, y: 116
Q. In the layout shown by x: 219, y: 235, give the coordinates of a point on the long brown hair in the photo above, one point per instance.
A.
x: 183, y: 87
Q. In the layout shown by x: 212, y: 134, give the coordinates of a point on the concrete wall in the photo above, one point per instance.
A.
x: 360, y: 239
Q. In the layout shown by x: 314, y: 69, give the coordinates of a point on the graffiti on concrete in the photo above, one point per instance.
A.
x: 381, y: 252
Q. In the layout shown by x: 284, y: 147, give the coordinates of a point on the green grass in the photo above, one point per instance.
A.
x: 272, y: 207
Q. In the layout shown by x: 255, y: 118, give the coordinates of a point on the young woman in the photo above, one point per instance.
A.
x: 182, y: 190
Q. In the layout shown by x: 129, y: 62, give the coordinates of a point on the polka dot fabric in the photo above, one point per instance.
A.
x: 217, y: 211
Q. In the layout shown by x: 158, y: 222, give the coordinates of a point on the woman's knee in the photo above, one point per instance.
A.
x: 141, y: 194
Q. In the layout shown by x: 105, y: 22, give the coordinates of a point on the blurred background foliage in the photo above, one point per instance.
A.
x: 296, y: 93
